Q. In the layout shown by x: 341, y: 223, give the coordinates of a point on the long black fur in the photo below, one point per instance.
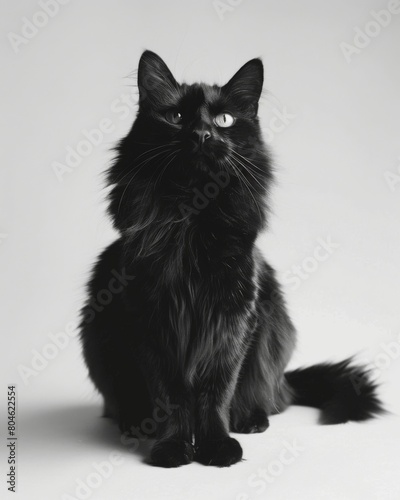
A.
x: 185, y: 331
x: 343, y: 391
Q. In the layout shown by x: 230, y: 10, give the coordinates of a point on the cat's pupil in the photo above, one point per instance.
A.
x: 224, y: 120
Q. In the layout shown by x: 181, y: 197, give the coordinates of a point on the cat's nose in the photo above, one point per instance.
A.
x: 200, y: 135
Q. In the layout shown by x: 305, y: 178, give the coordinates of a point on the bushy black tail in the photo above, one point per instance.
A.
x: 343, y: 391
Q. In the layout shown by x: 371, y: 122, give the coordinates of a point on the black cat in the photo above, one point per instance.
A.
x: 191, y: 337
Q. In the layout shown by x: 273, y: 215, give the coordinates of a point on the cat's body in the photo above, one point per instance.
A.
x: 197, y: 322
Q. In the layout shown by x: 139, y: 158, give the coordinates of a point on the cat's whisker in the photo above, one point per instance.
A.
x: 244, y: 168
x: 248, y: 161
x: 244, y: 182
x: 250, y: 173
x: 154, y: 149
x: 141, y: 164
x: 162, y: 170
x: 175, y: 154
x: 148, y: 151
x: 144, y: 161
x: 136, y: 173
x: 234, y: 151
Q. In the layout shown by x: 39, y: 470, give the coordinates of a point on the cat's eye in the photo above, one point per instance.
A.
x: 224, y: 120
x: 173, y: 116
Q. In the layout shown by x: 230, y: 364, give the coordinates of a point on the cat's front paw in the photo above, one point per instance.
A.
x: 220, y: 452
x: 172, y: 453
x: 255, y: 421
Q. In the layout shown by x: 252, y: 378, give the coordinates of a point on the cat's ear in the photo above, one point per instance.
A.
x: 155, y: 81
x: 246, y: 85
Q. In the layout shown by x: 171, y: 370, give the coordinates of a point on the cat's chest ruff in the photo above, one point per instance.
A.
x: 202, y: 300
x: 210, y: 320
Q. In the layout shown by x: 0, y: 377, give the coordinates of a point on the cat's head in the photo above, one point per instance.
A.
x: 182, y: 135
x: 207, y: 124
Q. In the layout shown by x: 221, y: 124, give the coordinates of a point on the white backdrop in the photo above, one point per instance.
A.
x: 330, y: 113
